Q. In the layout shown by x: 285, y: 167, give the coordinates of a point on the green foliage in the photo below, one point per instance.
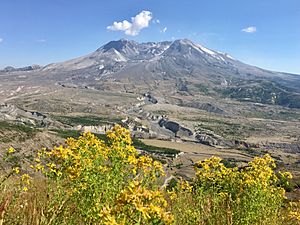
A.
x: 229, y: 163
x: 282, y: 115
x: 11, y: 131
x: 202, y: 88
x: 153, y: 149
x: 222, y: 195
x: 172, y: 184
x: 265, y: 92
x: 225, y: 129
x: 67, y: 133
x: 15, y: 127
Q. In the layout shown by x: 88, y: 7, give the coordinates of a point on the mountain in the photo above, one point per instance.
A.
x: 27, y: 68
x: 181, y: 66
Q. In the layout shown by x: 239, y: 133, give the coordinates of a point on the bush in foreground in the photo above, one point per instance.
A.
x: 89, y: 181
x: 221, y: 195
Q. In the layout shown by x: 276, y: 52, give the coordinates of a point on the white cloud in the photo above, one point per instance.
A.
x: 251, y: 29
x: 1, y: 40
x: 133, y: 28
x: 157, y: 21
x: 164, y: 30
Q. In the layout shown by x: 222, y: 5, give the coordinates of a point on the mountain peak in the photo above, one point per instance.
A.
x: 118, y: 45
x: 182, y: 46
x: 183, y: 41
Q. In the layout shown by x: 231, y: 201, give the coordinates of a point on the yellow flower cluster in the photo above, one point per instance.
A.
x: 212, y: 172
x: 137, y: 203
x: 221, y: 195
x: 25, y: 181
x: 259, y: 173
x: 81, y: 154
x: 16, y: 170
x: 146, y: 165
x: 294, y: 211
x: 111, y: 174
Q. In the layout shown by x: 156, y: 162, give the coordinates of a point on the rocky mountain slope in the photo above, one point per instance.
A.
x: 181, y: 66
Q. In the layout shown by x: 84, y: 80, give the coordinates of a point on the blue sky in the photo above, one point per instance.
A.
x: 264, y: 33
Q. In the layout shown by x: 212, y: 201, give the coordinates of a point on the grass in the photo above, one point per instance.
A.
x: 202, y: 88
x: 227, y: 130
x: 230, y: 162
x: 153, y: 149
x: 66, y: 133
x: 282, y: 115
x: 15, y: 127
x: 10, y: 132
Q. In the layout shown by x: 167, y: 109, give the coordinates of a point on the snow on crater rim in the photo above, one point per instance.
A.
x: 225, y: 54
x: 229, y: 56
x: 206, y: 50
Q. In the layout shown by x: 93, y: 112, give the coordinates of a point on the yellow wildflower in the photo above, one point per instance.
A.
x: 10, y: 150
x: 16, y: 170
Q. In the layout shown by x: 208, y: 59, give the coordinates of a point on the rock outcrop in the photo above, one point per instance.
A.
x: 175, y: 127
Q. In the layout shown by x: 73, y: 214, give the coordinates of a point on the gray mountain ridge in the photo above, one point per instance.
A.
x: 181, y: 65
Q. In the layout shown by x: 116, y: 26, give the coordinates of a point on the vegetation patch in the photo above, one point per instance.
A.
x: 15, y: 132
x: 263, y: 92
x: 282, y: 115
x: 86, y: 120
x: 230, y: 163
x: 227, y: 130
x: 202, y: 88
x: 154, y: 149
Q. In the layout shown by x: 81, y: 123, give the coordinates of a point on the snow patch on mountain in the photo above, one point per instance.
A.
x: 205, y: 49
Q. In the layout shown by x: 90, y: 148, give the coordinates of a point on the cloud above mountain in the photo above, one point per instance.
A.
x: 133, y: 28
x: 250, y: 29
x: 163, y: 30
